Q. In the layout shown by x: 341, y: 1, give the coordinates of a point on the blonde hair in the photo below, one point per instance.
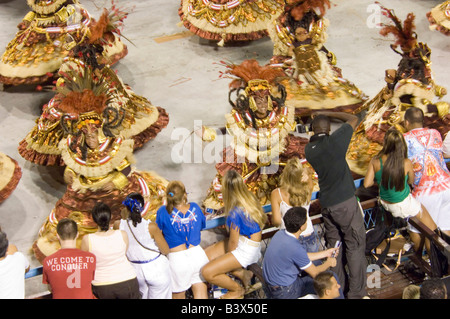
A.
x: 411, y: 292
x: 295, y: 180
x: 236, y: 194
x: 175, y: 195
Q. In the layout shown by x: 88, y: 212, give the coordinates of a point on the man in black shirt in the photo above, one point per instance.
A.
x: 341, y: 211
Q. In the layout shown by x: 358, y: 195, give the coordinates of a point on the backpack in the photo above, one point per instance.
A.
x: 382, y: 234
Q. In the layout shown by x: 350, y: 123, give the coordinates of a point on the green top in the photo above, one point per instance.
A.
x: 391, y: 195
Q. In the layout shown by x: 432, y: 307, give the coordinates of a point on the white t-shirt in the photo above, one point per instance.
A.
x: 12, y: 276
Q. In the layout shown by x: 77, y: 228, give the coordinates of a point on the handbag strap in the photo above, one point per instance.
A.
x: 129, y: 227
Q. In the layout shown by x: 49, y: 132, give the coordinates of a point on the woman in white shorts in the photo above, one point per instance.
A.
x: 181, y: 223
x: 245, y: 220
x: 393, y: 172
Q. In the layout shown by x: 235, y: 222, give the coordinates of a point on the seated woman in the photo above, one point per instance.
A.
x: 296, y: 187
x: 181, y: 223
x: 147, y: 250
x: 393, y: 172
x: 245, y: 221
x: 229, y: 20
x: 48, y: 33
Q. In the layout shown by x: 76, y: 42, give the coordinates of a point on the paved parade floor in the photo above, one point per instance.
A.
x: 181, y: 73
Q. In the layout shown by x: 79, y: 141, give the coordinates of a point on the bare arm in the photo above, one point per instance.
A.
x: 313, y: 270
x: 158, y: 236
x: 348, y: 118
x: 370, y: 175
x: 409, y: 170
x: 233, y: 240
x: 275, y: 204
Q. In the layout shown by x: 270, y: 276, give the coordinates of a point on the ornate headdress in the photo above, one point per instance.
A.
x: 298, y: 8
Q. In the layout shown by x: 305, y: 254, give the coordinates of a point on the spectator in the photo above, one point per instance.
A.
x: 326, y: 286
x: 431, y: 184
x: 13, y: 266
x: 433, y: 288
x: 341, y: 211
x: 285, y: 259
x: 146, y: 250
x: 295, y: 189
x: 245, y: 221
x: 115, y: 277
x: 411, y: 292
x: 393, y: 172
x: 181, y: 223
x: 70, y: 271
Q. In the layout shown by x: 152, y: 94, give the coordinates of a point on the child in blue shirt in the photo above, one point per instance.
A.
x: 181, y: 223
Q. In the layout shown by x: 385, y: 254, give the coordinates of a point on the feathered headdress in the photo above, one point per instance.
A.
x: 405, y: 34
x: 111, y: 20
x: 251, y: 70
x: 298, y: 8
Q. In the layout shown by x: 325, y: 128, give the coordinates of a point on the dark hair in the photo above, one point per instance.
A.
x: 134, y: 202
x: 67, y: 229
x: 414, y: 115
x: 394, y: 147
x: 3, y: 244
x: 433, y: 288
x: 101, y: 213
x: 322, y: 282
x: 294, y: 219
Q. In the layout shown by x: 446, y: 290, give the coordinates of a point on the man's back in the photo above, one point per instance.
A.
x: 425, y: 152
x: 326, y: 154
x: 69, y: 272
x: 283, y: 258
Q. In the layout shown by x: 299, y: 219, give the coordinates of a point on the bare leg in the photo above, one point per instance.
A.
x: 215, y: 272
x: 200, y: 290
x: 179, y: 295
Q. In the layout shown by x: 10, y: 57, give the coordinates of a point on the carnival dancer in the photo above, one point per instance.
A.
x: 411, y: 84
x: 48, y: 33
x: 316, y: 83
x: 98, y: 168
x: 142, y: 121
x: 10, y: 175
x: 229, y: 20
x: 261, y: 126
x: 439, y: 18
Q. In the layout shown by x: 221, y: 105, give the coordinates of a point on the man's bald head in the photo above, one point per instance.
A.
x: 320, y: 124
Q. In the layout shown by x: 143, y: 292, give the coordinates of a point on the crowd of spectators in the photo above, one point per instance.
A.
x: 162, y: 259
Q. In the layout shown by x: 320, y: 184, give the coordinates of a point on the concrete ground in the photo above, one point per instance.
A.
x: 181, y: 74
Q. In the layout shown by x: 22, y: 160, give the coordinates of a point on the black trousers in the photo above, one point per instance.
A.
x: 345, y: 222
x: 128, y: 289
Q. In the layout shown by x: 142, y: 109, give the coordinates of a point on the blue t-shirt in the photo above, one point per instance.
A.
x: 284, y: 259
x: 237, y: 219
x: 179, y: 228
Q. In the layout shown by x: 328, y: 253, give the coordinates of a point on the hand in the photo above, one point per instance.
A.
x: 332, y: 261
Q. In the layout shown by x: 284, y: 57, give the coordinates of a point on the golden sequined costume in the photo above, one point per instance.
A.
x: 299, y: 35
x: 99, y: 168
x: 142, y: 120
x: 439, y: 18
x: 45, y: 37
x: 410, y: 85
x: 229, y: 20
x: 260, y: 144
x: 10, y: 174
